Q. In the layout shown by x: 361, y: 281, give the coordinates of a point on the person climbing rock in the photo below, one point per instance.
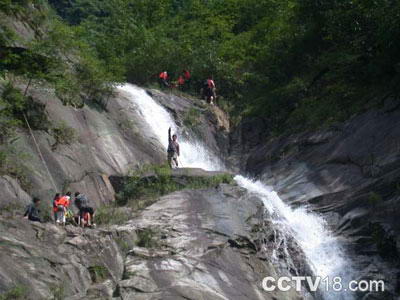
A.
x: 163, y: 79
x: 86, y: 212
x: 32, y: 212
x: 173, y: 149
x: 62, y: 205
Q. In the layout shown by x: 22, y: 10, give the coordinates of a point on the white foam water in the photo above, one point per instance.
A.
x: 324, y: 253
x: 194, y: 154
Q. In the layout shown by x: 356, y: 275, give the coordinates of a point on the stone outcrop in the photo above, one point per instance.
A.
x: 191, y: 244
x: 350, y: 173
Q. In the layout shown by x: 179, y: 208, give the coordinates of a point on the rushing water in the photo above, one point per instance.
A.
x: 323, y: 251
x: 195, y: 154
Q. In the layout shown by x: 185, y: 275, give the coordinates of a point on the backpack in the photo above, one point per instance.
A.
x: 205, y: 84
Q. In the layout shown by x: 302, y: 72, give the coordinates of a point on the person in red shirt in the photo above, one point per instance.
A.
x: 163, y: 79
x: 181, y: 82
x: 209, y: 90
x: 187, y: 77
x: 62, y: 203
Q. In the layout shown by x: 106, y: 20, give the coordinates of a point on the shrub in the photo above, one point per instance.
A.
x: 109, y: 214
x: 64, y: 135
x: 12, y: 163
x: 98, y: 273
x: 192, y: 118
x: 16, y: 293
x: 374, y: 199
x: 140, y: 190
x: 58, y: 292
x: 147, y: 238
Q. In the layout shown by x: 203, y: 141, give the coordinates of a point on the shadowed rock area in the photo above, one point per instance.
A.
x: 204, y: 244
x: 349, y: 172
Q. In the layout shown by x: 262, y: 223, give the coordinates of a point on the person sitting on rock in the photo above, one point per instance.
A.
x: 32, y: 212
x: 62, y: 205
x: 86, y: 212
x: 173, y: 149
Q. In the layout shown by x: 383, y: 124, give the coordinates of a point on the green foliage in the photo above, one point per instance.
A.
x: 12, y: 163
x: 110, y: 214
x: 384, y: 241
x: 142, y: 187
x: 147, y: 238
x: 98, y: 273
x: 192, y: 118
x: 301, y: 64
x: 64, y: 135
x: 16, y: 293
x: 57, y: 291
x: 374, y: 199
x: 12, y: 103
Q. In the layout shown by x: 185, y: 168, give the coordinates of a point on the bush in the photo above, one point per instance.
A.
x: 12, y: 163
x: 64, y: 135
x: 140, y: 191
x: 374, y: 199
x: 147, y: 238
x: 109, y: 214
x: 98, y: 273
x: 57, y: 291
x: 192, y: 118
x: 16, y: 293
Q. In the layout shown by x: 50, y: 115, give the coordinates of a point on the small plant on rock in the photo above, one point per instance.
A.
x: 16, y: 293
x: 64, y: 135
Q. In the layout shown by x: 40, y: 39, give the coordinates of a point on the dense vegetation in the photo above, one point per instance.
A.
x: 297, y: 63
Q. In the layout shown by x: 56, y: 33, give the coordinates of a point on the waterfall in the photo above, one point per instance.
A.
x: 323, y: 251
x: 195, y: 154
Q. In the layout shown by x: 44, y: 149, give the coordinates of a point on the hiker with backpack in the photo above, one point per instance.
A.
x: 86, y: 212
x: 62, y: 204
x: 173, y: 149
x: 32, y: 212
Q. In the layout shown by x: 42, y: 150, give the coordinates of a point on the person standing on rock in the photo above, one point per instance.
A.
x: 163, y: 79
x: 62, y: 204
x: 173, y: 149
x: 86, y: 212
x: 32, y: 212
x: 55, y: 199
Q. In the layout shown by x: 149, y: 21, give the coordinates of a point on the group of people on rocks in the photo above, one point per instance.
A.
x: 182, y: 81
x: 62, y: 210
x: 208, y: 89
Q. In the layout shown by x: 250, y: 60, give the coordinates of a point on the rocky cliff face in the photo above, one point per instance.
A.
x: 107, y: 143
x: 349, y: 172
x: 192, y: 244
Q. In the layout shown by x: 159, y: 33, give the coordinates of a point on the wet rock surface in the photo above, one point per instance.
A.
x: 192, y: 244
x: 205, y: 249
x: 107, y: 143
x: 350, y: 173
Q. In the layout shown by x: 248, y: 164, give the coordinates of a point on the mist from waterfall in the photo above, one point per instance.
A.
x: 323, y: 251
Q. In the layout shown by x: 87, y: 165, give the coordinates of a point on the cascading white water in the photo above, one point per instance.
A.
x: 195, y: 154
x: 323, y: 251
